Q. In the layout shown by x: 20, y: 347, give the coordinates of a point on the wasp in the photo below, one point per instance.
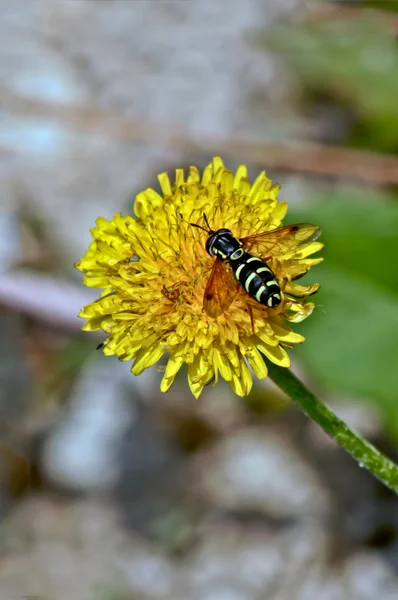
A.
x: 250, y: 272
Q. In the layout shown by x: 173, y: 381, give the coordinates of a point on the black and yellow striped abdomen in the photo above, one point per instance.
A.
x: 251, y: 272
x: 256, y: 278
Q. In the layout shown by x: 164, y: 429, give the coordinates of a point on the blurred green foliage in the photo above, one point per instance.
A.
x: 353, y: 62
x: 390, y: 5
x: 352, y: 344
x: 352, y: 338
x: 107, y: 591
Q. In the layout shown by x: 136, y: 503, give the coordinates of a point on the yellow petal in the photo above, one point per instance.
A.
x: 257, y: 363
x: 147, y: 357
x: 258, y: 187
x: 179, y: 178
x: 301, y: 312
x: 242, y: 382
x: 276, y: 354
x: 166, y: 384
x: 301, y: 290
x: 200, y: 373
x: 99, y: 282
x: 218, y: 165
x: 93, y: 324
x: 194, y: 176
x: 279, y: 213
x: 310, y: 249
x: 196, y: 387
x: 227, y: 182
x: 165, y: 184
x: 207, y: 174
x: 223, y: 365
x: 145, y: 202
x: 267, y: 336
x: 244, y: 187
x: 241, y: 172
x: 173, y: 366
x: 287, y: 335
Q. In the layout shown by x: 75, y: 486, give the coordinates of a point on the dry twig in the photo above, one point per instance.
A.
x: 299, y: 156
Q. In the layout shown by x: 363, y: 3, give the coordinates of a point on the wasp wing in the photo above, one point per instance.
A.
x: 220, y: 290
x: 285, y: 241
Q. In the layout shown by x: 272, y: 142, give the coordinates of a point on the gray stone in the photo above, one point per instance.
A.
x: 254, y: 469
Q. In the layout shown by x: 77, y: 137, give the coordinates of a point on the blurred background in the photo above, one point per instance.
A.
x: 108, y: 489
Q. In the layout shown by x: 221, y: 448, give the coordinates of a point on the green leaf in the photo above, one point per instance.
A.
x: 352, y: 338
x: 352, y: 61
x: 389, y: 5
x: 359, y: 231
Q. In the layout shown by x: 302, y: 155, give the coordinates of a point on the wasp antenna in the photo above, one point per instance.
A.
x: 199, y: 227
x: 208, y: 230
x: 207, y: 223
x: 188, y: 223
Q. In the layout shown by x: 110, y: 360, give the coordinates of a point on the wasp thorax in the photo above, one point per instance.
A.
x: 222, y: 244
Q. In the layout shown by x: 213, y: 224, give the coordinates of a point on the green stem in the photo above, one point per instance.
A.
x: 367, y: 455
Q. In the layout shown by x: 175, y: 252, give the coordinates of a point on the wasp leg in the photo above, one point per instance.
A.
x: 251, y: 317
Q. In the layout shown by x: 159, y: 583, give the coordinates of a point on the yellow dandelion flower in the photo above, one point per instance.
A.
x: 155, y: 269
